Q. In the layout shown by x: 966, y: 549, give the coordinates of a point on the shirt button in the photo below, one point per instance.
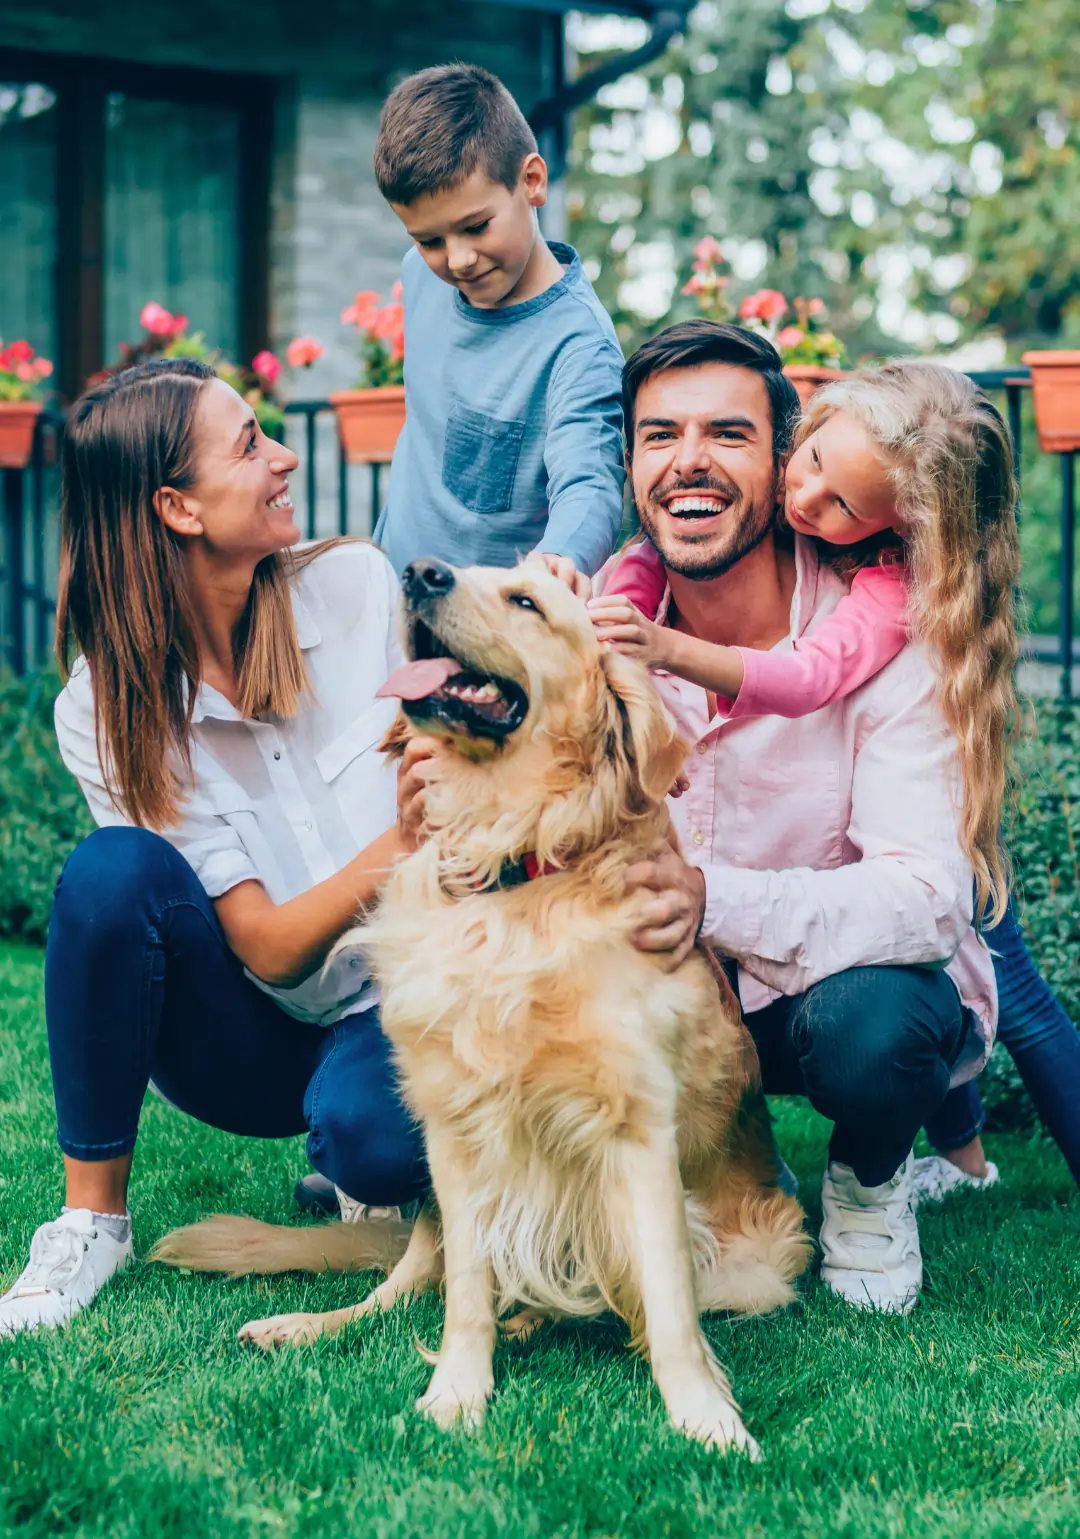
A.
x: 697, y: 836
x: 277, y: 756
x: 703, y: 748
x: 307, y: 828
x: 354, y: 961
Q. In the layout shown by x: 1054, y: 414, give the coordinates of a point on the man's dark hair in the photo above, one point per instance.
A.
x: 689, y: 344
x: 440, y: 124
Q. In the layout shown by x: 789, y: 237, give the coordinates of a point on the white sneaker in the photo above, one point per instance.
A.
x: 70, y: 1259
x: 353, y: 1212
x: 870, y: 1251
x: 937, y: 1178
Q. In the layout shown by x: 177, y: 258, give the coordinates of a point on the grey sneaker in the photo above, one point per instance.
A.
x: 870, y: 1252
x: 937, y: 1178
x: 71, y: 1258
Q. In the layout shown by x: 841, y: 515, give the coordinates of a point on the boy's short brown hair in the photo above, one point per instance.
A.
x: 440, y: 124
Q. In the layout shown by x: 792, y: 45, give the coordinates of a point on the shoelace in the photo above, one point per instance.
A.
x: 56, y: 1258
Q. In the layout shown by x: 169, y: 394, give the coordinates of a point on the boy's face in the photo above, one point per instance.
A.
x: 480, y: 236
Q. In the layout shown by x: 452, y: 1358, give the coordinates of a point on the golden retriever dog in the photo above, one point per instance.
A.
x: 594, y: 1123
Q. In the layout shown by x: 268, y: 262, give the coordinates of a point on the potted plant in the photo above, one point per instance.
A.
x: 371, y: 417
x: 166, y: 336
x: 21, y: 374
x: 812, y: 355
x: 1055, y: 392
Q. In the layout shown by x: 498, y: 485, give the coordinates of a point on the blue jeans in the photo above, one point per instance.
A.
x: 1043, y: 1042
x: 872, y: 1049
x: 140, y: 985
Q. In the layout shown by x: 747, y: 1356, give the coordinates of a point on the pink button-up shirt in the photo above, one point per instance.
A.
x: 831, y: 841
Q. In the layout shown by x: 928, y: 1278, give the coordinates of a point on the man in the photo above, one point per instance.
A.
x: 823, y: 852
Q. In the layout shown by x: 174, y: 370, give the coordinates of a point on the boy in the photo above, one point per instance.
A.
x: 513, y: 433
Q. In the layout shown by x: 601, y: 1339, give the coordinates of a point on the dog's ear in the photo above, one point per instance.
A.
x: 397, y: 735
x: 645, y: 736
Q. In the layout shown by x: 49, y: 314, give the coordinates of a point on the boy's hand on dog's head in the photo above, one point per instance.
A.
x: 672, y: 917
x: 564, y: 569
x: 414, y: 772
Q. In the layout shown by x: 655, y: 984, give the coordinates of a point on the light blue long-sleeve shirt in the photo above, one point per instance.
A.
x: 513, y: 432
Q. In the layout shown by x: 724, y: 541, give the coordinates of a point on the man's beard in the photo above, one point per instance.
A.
x: 708, y: 555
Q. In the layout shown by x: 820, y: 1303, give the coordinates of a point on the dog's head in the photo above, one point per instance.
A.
x: 506, y: 669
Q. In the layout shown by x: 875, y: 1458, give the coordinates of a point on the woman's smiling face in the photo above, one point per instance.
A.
x: 240, y: 493
x: 837, y: 486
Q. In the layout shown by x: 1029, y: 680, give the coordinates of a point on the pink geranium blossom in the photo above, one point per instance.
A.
x: 267, y: 366
x: 302, y: 352
x: 766, y: 305
x: 159, y: 322
x: 790, y: 336
x: 363, y: 310
x: 42, y: 368
x: 707, y: 253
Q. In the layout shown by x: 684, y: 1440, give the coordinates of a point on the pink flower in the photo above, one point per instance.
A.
x: 26, y: 372
x: 694, y: 286
x: 707, y: 251
x: 363, y: 310
x: 20, y: 352
x: 816, y: 307
x: 159, y: 322
x: 790, y: 336
x: 387, y: 322
x: 267, y: 366
x: 397, y: 293
x: 766, y: 305
x: 302, y: 352
x: 42, y: 367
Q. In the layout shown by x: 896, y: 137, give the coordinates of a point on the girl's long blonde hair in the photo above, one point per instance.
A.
x: 950, y: 458
x: 123, y: 599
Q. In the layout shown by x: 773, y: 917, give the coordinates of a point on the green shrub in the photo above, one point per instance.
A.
x: 42, y: 811
x: 43, y: 815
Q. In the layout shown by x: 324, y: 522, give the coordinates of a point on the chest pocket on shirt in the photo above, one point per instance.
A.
x: 364, y: 784
x: 480, y: 459
x: 805, y: 801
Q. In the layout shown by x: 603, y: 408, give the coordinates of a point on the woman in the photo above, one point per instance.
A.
x: 222, y: 721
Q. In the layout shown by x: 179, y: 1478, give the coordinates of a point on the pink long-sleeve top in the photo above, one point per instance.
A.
x: 864, y: 632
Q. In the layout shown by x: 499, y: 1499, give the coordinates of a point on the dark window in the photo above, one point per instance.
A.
x: 121, y: 184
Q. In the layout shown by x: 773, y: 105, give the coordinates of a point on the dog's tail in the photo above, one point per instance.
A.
x: 761, y: 1249
x: 240, y: 1246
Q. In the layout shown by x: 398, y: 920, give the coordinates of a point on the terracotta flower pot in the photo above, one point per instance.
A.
x: 17, y: 422
x: 1055, y: 389
x: 369, y: 422
x: 808, y: 378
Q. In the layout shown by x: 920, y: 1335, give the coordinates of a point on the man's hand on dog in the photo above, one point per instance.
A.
x: 671, y: 919
x: 563, y: 568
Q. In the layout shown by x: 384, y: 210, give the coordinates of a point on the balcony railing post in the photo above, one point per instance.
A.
x: 1068, y: 565
x: 13, y: 568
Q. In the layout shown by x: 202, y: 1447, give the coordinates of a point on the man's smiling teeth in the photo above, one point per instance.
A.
x: 282, y: 500
x: 698, y: 504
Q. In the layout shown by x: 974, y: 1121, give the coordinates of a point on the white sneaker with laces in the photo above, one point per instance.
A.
x: 71, y: 1258
x: 353, y: 1212
x: 937, y: 1178
x: 870, y: 1251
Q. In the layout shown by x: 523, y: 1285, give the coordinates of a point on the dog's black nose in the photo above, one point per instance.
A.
x: 427, y: 578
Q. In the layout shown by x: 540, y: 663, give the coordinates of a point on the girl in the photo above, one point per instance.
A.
x: 904, y: 478
x: 222, y: 721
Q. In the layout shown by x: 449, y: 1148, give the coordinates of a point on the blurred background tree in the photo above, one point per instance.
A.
x: 916, y: 165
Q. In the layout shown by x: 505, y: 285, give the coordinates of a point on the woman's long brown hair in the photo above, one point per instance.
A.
x: 123, y: 599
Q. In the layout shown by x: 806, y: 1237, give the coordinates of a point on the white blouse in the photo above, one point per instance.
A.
x: 285, y: 801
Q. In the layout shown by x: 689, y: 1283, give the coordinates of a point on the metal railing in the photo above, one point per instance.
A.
x: 338, y: 498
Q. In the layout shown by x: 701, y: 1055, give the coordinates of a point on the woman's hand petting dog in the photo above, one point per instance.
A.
x: 562, y: 567
x: 414, y: 772
x: 670, y: 921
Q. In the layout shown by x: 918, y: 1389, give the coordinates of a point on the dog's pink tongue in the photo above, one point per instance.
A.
x: 414, y: 681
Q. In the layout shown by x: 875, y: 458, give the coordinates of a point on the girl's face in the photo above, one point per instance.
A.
x: 837, y: 486
x: 239, y: 502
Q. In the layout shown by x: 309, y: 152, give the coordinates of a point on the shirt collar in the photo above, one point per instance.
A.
x: 210, y: 702
x: 809, y: 590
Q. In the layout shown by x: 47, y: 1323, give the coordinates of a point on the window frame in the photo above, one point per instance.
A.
x: 82, y: 86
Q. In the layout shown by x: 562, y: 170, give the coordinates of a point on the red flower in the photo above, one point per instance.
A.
x: 363, y: 310
x: 302, y: 352
x: 766, y: 305
x: 158, y: 321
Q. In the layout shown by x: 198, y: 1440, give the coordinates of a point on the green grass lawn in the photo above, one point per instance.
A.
x: 146, y: 1417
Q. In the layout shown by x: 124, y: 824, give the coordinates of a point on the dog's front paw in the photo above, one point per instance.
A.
x: 458, y: 1401
x: 709, y: 1417
x: 281, y: 1331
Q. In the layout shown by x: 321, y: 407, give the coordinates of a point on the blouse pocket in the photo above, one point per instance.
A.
x: 480, y: 459
x: 364, y: 784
